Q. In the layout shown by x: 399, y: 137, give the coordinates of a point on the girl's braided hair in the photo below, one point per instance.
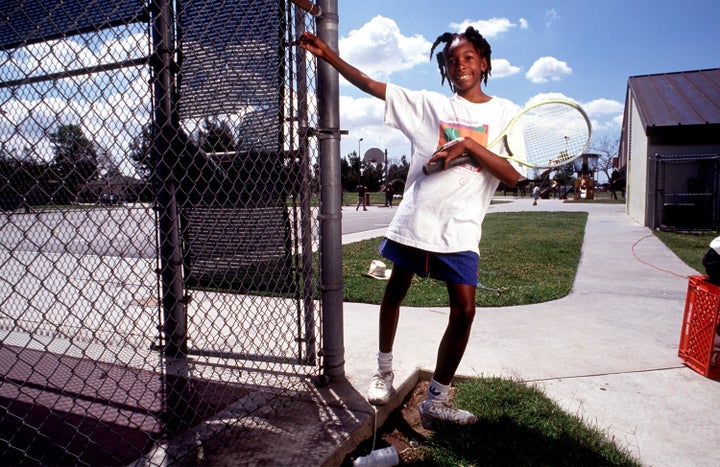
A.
x: 472, y: 35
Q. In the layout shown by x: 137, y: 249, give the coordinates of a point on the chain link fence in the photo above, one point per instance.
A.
x: 685, y: 190
x: 158, y: 273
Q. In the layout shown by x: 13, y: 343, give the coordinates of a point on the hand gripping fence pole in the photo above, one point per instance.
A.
x: 309, y: 6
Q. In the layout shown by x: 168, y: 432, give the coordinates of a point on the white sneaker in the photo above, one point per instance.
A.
x: 431, y: 410
x: 380, y: 388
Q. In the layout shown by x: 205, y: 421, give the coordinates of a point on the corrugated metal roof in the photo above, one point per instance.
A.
x: 672, y: 99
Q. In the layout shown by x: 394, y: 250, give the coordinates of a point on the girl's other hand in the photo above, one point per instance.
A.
x: 449, y: 151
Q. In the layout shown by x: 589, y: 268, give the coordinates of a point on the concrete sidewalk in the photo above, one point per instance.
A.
x: 607, y: 352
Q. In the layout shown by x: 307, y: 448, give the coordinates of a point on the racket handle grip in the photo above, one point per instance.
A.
x: 438, y: 165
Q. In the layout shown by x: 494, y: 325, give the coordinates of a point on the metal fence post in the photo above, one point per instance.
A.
x: 174, y: 326
x: 309, y: 286
x: 330, y: 194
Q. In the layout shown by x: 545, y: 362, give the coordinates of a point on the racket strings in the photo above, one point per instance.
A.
x: 549, y: 135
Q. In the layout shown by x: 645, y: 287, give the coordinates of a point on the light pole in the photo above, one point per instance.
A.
x: 386, y: 168
x: 359, y: 141
x: 359, y: 159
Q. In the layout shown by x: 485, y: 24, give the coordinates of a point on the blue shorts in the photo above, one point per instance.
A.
x: 454, y: 268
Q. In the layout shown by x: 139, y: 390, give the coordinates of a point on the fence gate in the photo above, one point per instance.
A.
x: 687, y: 191
x: 157, y: 267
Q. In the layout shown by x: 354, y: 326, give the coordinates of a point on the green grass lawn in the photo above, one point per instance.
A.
x: 519, y: 425
x: 689, y: 247
x: 526, y: 257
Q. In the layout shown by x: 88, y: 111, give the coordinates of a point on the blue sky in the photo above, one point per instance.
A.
x: 581, y: 49
x: 584, y: 50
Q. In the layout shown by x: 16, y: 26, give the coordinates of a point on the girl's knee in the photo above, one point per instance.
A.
x: 462, y: 317
x: 394, y: 296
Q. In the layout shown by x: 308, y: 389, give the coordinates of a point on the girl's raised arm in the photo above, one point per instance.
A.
x: 320, y: 49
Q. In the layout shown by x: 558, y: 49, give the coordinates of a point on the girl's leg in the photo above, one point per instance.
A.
x: 455, y: 340
x: 381, y: 383
x: 395, y: 292
x: 452, y: 348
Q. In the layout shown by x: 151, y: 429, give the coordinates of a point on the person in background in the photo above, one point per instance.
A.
x: 389, y: 193
x: 362, y: 190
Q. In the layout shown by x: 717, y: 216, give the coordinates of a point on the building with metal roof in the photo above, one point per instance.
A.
x: 670, y: 150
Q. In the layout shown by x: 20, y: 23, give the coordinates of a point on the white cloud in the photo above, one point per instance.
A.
x: 606, y: 113
x: 603, y: 106
x: 605, y: 120
x: 547, y: 69
x: 364, y: 118
x: 380, y: 49
x: 502, y: 68
x: 598, y: 125
x: 67, y: 54
x: 361, y: 111
x: 544, y: 96
x: 550, y: 16
x: 117, y: 49
x: 523, y: 23
x: 109, y: 107
x: 46, y: 58
x: 489, y: 28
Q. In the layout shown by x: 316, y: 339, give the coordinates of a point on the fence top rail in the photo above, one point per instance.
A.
x: 690, y: 157
x: 35, y: 21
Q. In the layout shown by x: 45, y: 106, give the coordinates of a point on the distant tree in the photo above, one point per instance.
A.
x: 564, y: 174
x: 606, y: 148
x: 315, y: 180
x: 398, y: 171
x: 344, y: 173
x: 6, y: 155
x: 216, y: 136
x: 140, y: 153
x: 350, y: 171
x: 75, y: 161
x: 373, y: 176
x: 106, y: 162
x: 24, y: 177
x: 9, y: 198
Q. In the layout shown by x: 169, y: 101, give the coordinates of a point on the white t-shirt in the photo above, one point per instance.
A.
x: 443, y: 212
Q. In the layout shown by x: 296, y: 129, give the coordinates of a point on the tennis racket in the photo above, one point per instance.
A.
x: 544, y: 135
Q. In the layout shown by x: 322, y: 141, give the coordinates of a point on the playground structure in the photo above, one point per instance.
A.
x: 582, y: 187
x: 584, y: 183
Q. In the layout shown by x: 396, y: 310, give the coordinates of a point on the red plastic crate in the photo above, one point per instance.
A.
x: 702, y: 310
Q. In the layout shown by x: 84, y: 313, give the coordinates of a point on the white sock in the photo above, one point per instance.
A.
x: 385, y: 362
x: 437, y: 391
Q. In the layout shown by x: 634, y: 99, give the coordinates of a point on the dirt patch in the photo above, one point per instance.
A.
x: 402, y: 429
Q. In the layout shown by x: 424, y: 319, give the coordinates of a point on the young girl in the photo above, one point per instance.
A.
x: 436, y: 229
